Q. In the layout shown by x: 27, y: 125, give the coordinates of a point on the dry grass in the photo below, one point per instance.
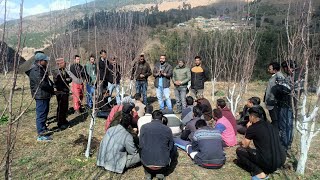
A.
x: 63, y: 158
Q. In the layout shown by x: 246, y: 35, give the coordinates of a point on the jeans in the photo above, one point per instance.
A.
x: 247, y: 158
x: 141, y: 87
x: 274, y: 117
x: 195, y: 92
x: 89, y: 95
x: 166, y: 93
x: 286, y: 126
x: 77, y: 95
x: 42, y: 110
x: 62, y: 109
x: 180, y: 93
x: 111, y: 87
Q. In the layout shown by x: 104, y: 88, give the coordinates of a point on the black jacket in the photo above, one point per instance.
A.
x: 199, y: 75
x: 141, y: 68
x: 61, y: 80
x: 113, y: 73
x: 103, y: 70
x: 40, y: 85
x: 156, y: 143
x: 78, y: 70
x: 166, y: 68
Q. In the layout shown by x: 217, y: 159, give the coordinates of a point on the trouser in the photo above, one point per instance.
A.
x: 89, y: 95
x: 274, y: 117
x: 111, y: 87
x: 248, y: 160
x: 241, y: 129
x: 42, y: 110
x: 286, y: 126
x: 62, y: 109
x: 196, y: 92
x: 180, y: 93
x: 166, y: 93
x: 182, y: 144
x: 77, y: 95
x: 141, y: 87
x: 132, y: 160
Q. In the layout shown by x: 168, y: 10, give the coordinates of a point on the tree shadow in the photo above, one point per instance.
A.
x: 79, y: 119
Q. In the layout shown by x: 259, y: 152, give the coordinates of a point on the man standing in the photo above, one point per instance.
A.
x: 103, y: 71
x: 162, y: 72
x: 62, y: 80
x: 157, y: 147
x: 77, y: 74
x: 269, y: 97
x: 91, y: 72
x: 41, y: 90
x: 199, y: 75
x: 113, y: 79
x: 141, y: 71
x: 181, y: 77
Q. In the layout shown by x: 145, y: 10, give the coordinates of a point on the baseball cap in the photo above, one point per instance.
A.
x: 41, y: 56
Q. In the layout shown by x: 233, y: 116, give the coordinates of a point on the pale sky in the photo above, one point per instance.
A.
x: 32, y: 7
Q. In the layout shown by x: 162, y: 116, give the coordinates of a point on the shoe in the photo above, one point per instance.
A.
x: 45, y: 132
x: 64, y: 126
x: 160, y: 176
x: 44, y: 138
x: 256, y: 178
x: 148, y: 176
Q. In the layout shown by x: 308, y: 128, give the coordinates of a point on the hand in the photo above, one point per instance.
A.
x: 135, y: 130
x: 164, y: 74
x: 249, y: 124
x: 142, y: 76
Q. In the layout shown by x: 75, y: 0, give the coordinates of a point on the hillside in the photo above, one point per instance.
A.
x: 7, y: 57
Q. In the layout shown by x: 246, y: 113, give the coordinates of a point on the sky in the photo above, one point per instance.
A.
x: 32, y: 7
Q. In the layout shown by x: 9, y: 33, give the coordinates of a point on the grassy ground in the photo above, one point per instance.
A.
x: 63, y: 158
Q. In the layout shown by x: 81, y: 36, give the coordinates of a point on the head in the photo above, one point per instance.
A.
x: 217, y: 114
x: 61, y: 63
x: 197, y: 111
x: 141, y: 59
x: 164, y: 120
x: 127, y: 108
x: 149, y: 109
x: 41, y: 59
x: 221, y: 103
x: 289, y: 66
x: 77, y: 59
x: 189, y: 100
x: 92, y: 59
x: 200, y: 124
x: 253, y: 101
x: 157, y: 115
x: 181, y: 63
x: 103, y: 54
x: 197, y: 60
x: 255, y: 114
x: 273, y: 67
x: 162, y: 59
x: 126, y: 120
x: 137, y: 97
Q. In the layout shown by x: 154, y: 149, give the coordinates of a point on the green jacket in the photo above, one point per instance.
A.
x: 182, y: 74
x: 91, y: 73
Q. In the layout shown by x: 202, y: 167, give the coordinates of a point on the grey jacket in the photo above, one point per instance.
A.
x: 115, y: 147
x: 166, y: 68
x: 269, y: 98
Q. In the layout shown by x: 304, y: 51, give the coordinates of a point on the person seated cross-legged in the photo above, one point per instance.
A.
x: 157, y: 150
x: 206, y: 148
x: 225, y: 127
x: 269, y: 153
x: 117, y: 149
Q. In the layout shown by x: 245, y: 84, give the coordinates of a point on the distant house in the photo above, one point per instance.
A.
x: 181, y: 25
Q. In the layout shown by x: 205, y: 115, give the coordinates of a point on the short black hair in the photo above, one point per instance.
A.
x: 75, y: 56
x: 137, y: 96
x: 92, y: 56
x: 189, y: 100
x: 164, y: 120
x: 197, y: 57
x: 290, y: 64
x: 126, y: 120
x: 221, y: 103
x: 200, y: 123
x: 157, y: 114
x: 217, y: 113
x: 255, y: 100
x: 103, y: 51
x: 275, y: 66
x: 255, y: 111
x: 197, y: 111
x: 149, y: 109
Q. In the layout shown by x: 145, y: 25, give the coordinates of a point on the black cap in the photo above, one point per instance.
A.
x: 127, y: 107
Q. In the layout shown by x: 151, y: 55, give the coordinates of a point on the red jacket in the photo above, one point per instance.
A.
x: 228, y: 114
x: 116, y: 109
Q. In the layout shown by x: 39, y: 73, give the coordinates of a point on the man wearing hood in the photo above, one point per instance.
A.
x: 162, y: 73
x: 141, y: 71
x: 181, y: 77
x: 41, y: 90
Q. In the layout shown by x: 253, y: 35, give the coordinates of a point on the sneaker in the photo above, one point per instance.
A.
x: 160, y: 176
x: 256, y: 178
x: 44, y: 138
x: 64, y: 126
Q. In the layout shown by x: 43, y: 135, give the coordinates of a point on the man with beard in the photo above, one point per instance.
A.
x: 141, y: 71
x: 162, y: 72
x: 41, y: 90
x: 199, y: 75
